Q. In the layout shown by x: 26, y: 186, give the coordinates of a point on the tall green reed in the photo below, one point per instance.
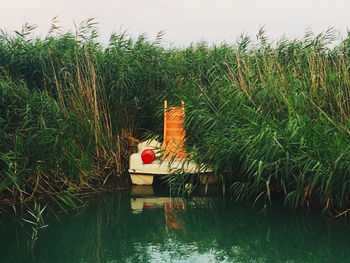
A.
x: 273, y: 118
x: 268, y: 117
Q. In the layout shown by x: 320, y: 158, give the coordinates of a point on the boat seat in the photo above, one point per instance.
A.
x: 174, y: 132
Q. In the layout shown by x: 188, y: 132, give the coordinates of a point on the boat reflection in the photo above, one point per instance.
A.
x: 173, y: 207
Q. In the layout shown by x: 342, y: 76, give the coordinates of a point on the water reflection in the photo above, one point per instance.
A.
x: 129, y: 227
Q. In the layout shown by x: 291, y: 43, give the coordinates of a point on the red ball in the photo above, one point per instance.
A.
x: 148, y: 156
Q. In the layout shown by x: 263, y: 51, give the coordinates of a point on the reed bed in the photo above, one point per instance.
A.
x: 273, y: 118
x: 270, y: 117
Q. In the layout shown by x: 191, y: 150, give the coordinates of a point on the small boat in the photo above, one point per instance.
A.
x: 155, y: 159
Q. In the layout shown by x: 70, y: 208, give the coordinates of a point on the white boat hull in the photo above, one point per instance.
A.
x: 143, y: 174
x: 141, y: 179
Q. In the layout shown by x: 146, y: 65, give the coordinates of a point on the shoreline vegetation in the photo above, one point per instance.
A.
x: 270, y: 118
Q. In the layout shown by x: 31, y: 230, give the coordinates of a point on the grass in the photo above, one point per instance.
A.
x: 275, y: 118
x: 268, y: 117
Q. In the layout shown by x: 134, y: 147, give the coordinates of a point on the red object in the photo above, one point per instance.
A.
x: 148, y: 206
x: 148, y: 156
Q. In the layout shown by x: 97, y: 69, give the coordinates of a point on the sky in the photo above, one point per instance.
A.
x: 184, y: 22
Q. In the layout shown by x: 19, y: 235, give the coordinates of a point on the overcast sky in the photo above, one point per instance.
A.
x: 184, y: 21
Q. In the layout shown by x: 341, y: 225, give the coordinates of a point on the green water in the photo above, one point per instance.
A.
x: 121, y: 227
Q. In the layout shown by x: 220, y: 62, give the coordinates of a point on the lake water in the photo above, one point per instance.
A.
x: 141, y: 227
